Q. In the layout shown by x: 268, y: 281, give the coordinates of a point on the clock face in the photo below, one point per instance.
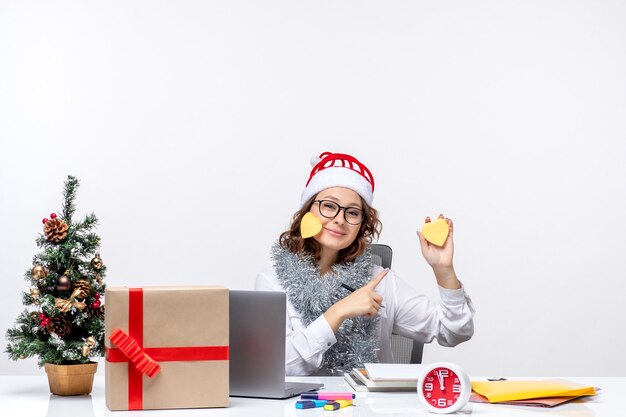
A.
x: 441, y: 388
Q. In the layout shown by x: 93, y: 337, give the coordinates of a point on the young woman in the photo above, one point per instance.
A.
x: 341, y: 308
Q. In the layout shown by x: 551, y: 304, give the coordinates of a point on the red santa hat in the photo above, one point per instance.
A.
x: 339, y: 170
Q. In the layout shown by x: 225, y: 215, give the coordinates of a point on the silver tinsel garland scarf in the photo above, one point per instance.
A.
x: 312, y: 294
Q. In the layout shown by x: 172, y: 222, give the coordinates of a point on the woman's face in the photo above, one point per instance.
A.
x: 336, y: 232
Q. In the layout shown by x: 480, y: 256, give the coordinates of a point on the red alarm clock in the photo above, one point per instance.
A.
x: 443, y: 387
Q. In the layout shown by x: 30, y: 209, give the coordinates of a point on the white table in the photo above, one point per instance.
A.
x: 22, y: 396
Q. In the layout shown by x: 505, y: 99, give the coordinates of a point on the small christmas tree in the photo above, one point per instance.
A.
x: 64, y: 321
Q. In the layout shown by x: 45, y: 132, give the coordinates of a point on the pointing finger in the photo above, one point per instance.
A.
x: 376, y: 280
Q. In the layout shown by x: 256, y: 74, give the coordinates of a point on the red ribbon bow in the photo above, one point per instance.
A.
x: 129, y: 347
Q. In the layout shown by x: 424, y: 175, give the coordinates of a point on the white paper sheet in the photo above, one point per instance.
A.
x: 393, y: 371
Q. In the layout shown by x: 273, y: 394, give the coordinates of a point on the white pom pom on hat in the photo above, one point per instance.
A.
x: 338, y: 170
x: 315, y: 159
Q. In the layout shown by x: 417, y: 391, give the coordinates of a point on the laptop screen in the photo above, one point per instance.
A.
x: 257, y: 343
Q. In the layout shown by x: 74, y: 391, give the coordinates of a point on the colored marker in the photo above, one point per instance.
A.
x: 310, y: 403
x: 332, y: 396
x: 337, y: 404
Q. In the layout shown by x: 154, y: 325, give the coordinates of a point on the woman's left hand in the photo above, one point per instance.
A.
x: 438, y: 257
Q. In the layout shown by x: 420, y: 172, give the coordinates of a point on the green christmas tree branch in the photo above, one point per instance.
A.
x: 69, y: 195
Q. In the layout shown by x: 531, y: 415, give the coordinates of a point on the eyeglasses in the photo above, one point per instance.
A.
x: 330, y: 210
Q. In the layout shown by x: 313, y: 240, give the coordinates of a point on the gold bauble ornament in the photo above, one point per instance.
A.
x: 96, y: 262
x: 63, y: 283
x: 22, y: 357
x: 85, y: 350
x: 39, y: 272
x: 91, y: 341
x: 35, y: 293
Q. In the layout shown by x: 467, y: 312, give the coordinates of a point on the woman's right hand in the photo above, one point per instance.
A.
x: 362, y: 302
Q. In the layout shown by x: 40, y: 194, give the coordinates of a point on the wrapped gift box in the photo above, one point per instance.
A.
x: 169, y: 348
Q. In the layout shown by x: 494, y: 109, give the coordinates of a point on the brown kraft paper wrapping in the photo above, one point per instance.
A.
x: 187, y: 317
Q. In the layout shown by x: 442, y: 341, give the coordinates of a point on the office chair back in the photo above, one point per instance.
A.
x: 405, y: 350
x: 381, y: 255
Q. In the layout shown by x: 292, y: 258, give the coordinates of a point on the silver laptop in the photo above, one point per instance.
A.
x: 257, y: 346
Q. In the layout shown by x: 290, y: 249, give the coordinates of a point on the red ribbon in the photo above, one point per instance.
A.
x: 130, y: 349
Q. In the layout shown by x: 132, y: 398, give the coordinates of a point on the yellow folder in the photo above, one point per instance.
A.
x: 498, y: 391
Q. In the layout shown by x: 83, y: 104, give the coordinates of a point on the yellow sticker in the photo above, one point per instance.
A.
x: 436, y: 232
x: 310, y: 225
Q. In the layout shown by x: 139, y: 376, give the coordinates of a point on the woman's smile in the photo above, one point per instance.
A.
x: 335, y: 233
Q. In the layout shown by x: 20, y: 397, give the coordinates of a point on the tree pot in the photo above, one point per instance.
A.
x: 71, y: 379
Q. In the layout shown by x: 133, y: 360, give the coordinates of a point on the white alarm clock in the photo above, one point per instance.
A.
x: 443, y: 387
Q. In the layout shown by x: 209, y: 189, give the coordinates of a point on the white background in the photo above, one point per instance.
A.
x: 191, y: 123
